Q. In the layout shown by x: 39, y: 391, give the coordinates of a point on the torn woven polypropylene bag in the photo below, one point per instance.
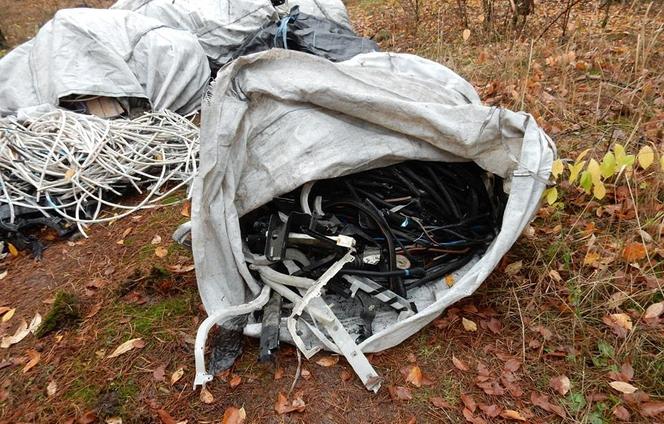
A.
x: 278, y: 119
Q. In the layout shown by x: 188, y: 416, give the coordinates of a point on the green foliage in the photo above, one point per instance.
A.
x: 575, y: 401
x: 64, y: 312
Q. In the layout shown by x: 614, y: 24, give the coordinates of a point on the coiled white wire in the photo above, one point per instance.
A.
x: 62, y: 162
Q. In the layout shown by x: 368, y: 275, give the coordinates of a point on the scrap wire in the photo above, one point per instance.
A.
x: 69, y: 165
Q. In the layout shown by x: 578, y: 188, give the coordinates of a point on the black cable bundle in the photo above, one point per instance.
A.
x: 413, y: 223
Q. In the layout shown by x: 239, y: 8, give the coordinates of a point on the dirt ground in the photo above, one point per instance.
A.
x: 543, y: 350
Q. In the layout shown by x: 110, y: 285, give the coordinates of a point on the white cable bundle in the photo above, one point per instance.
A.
x: 62, y: 162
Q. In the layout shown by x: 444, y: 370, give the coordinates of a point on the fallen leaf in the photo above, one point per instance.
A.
x: 621, y: 413
x: 8, y: 315
x: 625, y: 374
x: 654, y: 310
x: 560, y: 384
x: 469, y: 402
x: 34, y: 360
x: 186, y: 209
x: 159, y: 373
x: 94, y: 310
x: 88, y: 418
x: 206, y: 396
x: 413, y: 375
x: 468, y: 325
x: 400, y: 393
x: 233, y: 415
x: 491, y: 411
x: 513, y: 268
x: 51, y: 388
x: 181, y: 269
x: 652, y: 409
x: 3, y: 274
x: 620, y: 324
x: 623, y: 387
x: 165, y: 417
x: 634, y: 252
x: 12, y: 249
x: 512, y: 364
x: 645, y: 157
x: 21, y: 332
x: 459, y: 364
x: 305, y: 373
x: 235, y: 381
x: 466, y: 34
x: 113, y: 420
x: 328, y: 361
x: 439, y: 402
x: 511, y: 414
x: 34, y: 323
x: 125, y: 347
x: 345, y: 375
x: 282, y: 406
x: 542, y: 401
x: 160, y: 252
x: 156, y: 239
x: 494, y: 325
x: 177, y: 375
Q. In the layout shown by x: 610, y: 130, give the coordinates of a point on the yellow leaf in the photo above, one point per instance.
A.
x: 468, y: 325
x: 646, y: 157
x: 449, y: 280
x: 557, y: 168
x: 12, y: 249
x: 608, y: 166
x: 177, y: 375
x: 328, y: 361
x: 599, y: 191
x: 8, y: 315
x: 466, y: 34
x: 623, y: 387
x: 127, y: 346
x: 575, y: 170
x: 161, y: 252
x: 594, y: 171
x: 34, y: 360
x: 591, y: 258
x: 581, y: 155
x: 551, y: 195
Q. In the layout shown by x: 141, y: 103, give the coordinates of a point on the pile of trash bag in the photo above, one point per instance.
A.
x: 275, y: 122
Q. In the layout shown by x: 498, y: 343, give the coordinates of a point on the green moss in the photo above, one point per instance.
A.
x: 82, y: 393
x: 64, y: 312
x: 147, y: 320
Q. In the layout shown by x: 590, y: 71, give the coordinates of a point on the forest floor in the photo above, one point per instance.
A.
x: 569, y: 328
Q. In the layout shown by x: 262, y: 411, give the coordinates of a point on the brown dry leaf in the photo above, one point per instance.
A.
x: 160, y: 252
x: 233, y: 415
x: 654, y: 311
x: 468, y: 415
x: 439, y: 402
x: 623, y: 387
x: 466, y: 34
x: 512, y: 365
x: 621, y: 413
x: 469, y: 402
x: 542, y: 401
x: 513, y: 268
x: 345, y: 375
x: 177, y: 375
x: 491, y: 411
x: 468, y: 325
x: 278, y: 373
x: 620, y: 324
x: 88, y: 418
x: 400, y: 393
x: 186, y: 208
x: 560, y: 384
x: 494, y: 325
x: 4, y: 309
x: 21, y: 332
x: 181, y: 269
x: 626, y: 373
x: 634, y: 252
x: 34, y: 360
x: 125, y: 347
x: 94, y: 310
x: 282, y: 406
x: 159, y: 373
x: 234, y: 381
x: 413, y: 375
x: 652, y: 409
x: 165, y: 417
x: 305, y: 373
x: 511, y: 414
x: 459, y: 364
x: 206, y: 396
x: 8, y: 315
x: 328, y: 361
x: 51, y: 388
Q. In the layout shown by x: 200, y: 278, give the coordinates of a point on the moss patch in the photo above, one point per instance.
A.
x: 65, y: 312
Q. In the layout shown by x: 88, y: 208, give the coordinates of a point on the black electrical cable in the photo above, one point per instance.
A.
x: 406, y: 273
x: 441, y: 272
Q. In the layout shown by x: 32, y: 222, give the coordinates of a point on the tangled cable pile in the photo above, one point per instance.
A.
x: 71, y: 165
